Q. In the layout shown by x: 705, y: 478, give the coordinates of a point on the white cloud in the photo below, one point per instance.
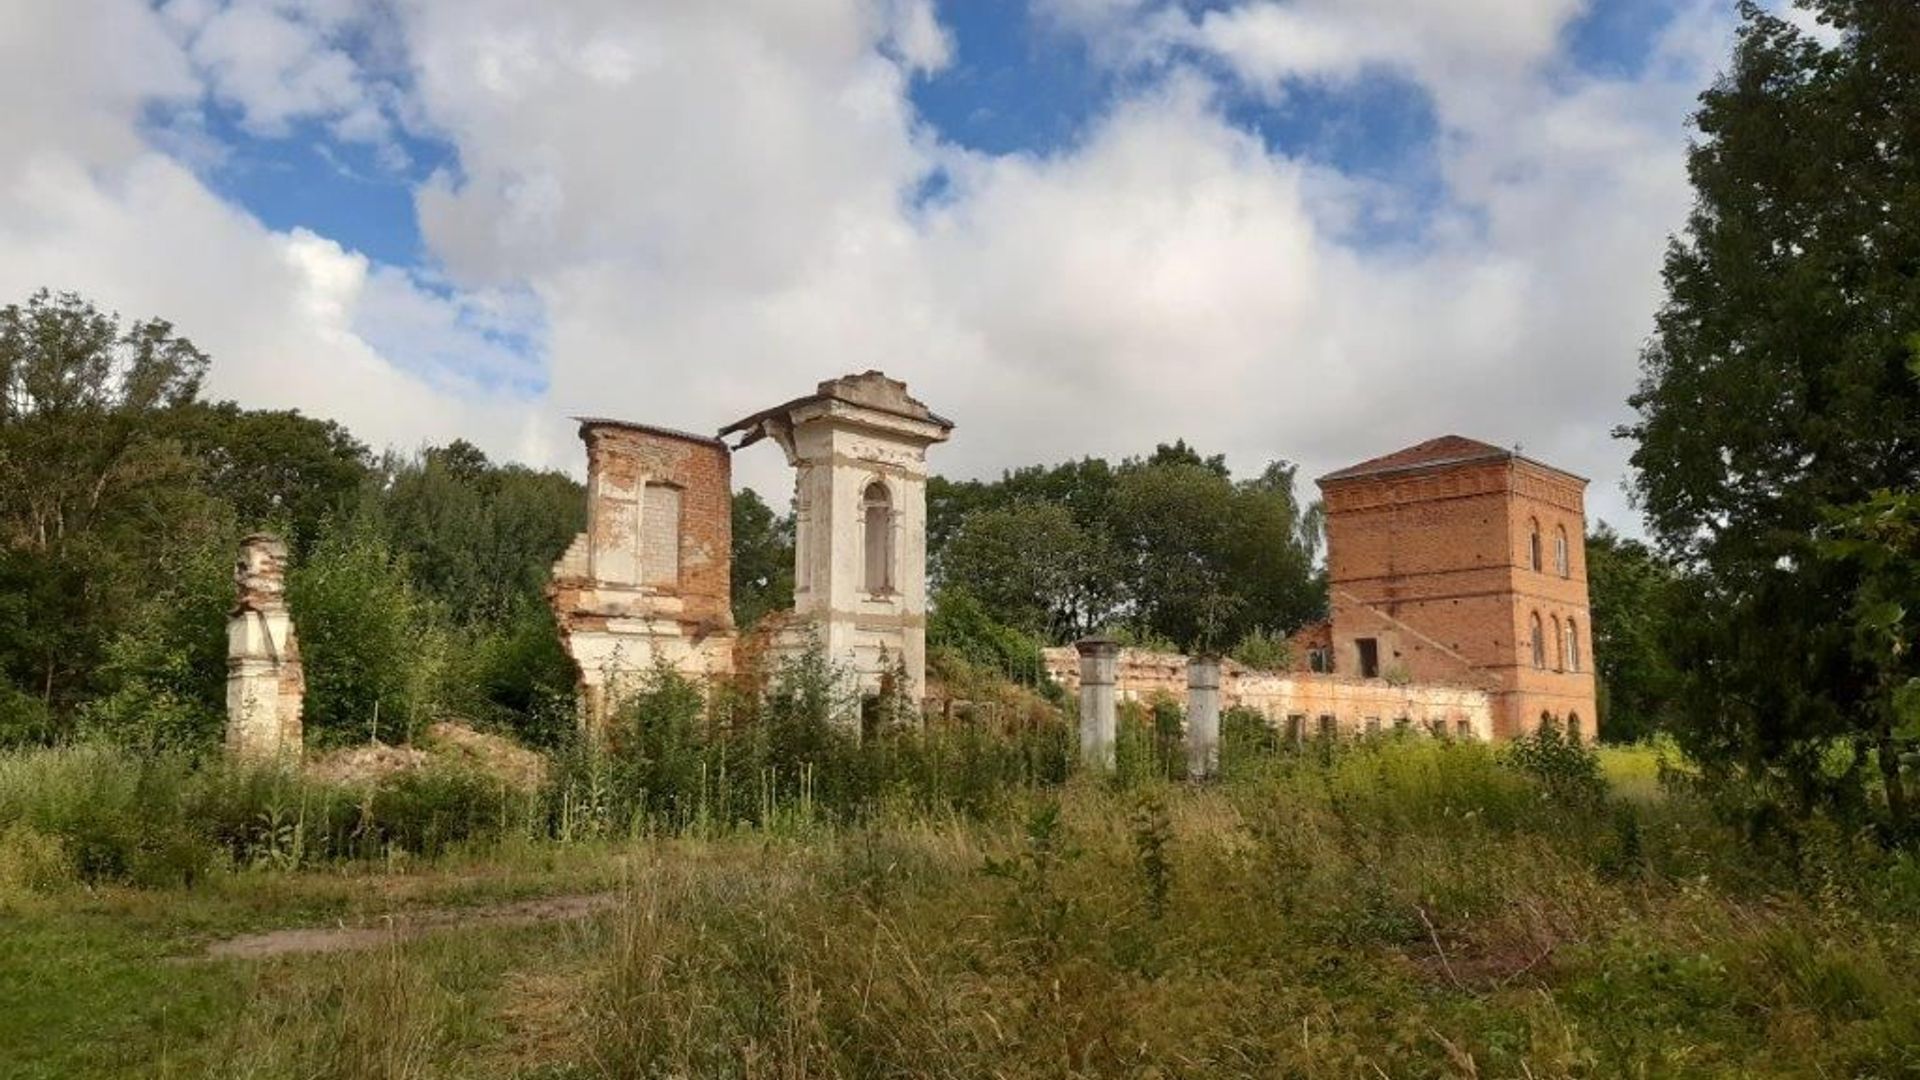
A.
x: 291, y: 319
x: 710, y: 207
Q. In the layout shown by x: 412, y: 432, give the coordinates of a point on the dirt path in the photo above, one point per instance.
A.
x: 320, y: 939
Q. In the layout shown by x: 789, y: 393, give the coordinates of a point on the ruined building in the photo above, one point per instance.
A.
x: 265, y: 682
x: 1459, y: 562
x: 1458, y: 593
x: 649, y: 581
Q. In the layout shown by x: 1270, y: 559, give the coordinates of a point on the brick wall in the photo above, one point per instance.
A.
x: 1436, y: 565
x: 1352, y: 703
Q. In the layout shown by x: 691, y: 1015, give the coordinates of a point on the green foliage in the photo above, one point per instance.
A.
x: 372, y: 646
x: 1035, y: 568
x: 1567, y: 769
x: 1170, y: 544
x: 479, y: 539
x: 513, y: 676
x: 962, y: 624
x: 1630, y: 587
x: 1262, y: 650
x: 1149, y: 742
x: 762, y: 559
x: 1152, y: 828
x: 95, y: 502
x: 278, y: 471
x: 1778, y: 388
x: 164, y: 674
x: 677, y: 759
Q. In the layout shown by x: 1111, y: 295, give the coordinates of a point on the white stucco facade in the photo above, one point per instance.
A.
x: 859, y: 450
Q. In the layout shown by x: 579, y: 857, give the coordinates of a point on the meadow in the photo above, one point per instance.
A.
x: 1393, y: 907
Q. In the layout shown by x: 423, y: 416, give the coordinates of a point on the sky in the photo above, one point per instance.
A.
x: 1311, y: 230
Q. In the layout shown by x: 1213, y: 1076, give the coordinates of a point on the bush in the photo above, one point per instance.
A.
x: 962, y: 624
x: 373, y: 648
x: 1567, y: 768
x: 1263, y: 650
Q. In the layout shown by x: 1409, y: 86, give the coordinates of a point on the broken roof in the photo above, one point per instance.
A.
x: 1447, y: 450
x: 650, y: 429
x: 868, y: 390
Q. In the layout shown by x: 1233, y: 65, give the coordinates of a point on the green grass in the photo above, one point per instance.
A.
x: 1402, y: 908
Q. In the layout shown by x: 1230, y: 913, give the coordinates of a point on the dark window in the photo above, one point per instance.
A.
x: 878, y: 507
x: 1327, y: 726
x: 1373, y: 725
x: 1369, y: 657
x: 1296, y: 726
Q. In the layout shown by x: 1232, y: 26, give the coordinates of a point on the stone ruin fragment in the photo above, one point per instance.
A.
x: 649, y: 582
x: 265, y: 682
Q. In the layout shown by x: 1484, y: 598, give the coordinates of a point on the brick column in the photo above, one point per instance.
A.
x: 1099, y: 663
x: 1203, y: 716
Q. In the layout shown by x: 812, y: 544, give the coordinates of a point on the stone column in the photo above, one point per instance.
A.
x: 1203, y: 716
x: 265, y: 681
x: 1099, y: 664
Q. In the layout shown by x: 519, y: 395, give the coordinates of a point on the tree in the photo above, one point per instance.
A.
x: 98, y: 507
x: 762, y: 559
x: 1776, y: 389
x: 1165, y: 548
x: 279, y: 471
x: 1035, y: 569
x: 478, y: 538
x: 1629, y: 585
x: 372, y: 647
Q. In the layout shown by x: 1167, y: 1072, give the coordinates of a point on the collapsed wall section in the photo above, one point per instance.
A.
x: 266, y: 683
x: 1298, y: 703
x: 649, y: 582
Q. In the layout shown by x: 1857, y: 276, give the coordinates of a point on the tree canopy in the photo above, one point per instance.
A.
x: 1777, y: 393
x: 1169, y: 547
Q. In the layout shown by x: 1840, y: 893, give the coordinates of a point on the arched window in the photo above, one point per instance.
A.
x: 1562, y: 558
x: 1573, y: 727
x: 1539, y: 643
x: 1559, y: 644
x: 1533, y: 543
x: 877, y: 504
x: 1573, y: 647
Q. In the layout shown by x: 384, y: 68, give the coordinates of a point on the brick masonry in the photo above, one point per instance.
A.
x: 1431, y: 553
x: 624, y: 606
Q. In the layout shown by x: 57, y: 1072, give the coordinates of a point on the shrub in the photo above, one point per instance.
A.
x: 1263, y: 650
x: 373, y: 647
x: 960, y: 623
x: 1567, y: 768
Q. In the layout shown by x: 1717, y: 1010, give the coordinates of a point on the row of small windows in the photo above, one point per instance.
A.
x: 1566, y: 644
x: 1327, y: 726
x: 1562, y: 554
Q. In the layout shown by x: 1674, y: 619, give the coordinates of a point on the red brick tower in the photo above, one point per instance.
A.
x: 1455, y: 561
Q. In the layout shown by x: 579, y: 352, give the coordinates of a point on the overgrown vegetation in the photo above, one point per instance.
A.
x: 1398, y: 905
x: 1780, y: 397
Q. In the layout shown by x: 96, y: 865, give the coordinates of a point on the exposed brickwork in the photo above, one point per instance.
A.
x: 1431, y: 555
x: 1296, y: 702
x: 266, y: 683
x: 622, y: 607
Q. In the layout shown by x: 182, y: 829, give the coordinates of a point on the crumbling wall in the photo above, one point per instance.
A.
x: 650, y: 580
x: 265, y: 682
x: 1297, y: 701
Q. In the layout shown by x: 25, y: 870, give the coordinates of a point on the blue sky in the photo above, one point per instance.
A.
x: 1016, y: 85
x: 1304, y: 229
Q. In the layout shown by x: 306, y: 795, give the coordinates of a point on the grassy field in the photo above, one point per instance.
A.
x: 1405, y: 908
